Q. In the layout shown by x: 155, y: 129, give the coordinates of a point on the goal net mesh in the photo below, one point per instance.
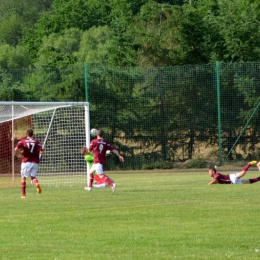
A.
x: 61, y: 129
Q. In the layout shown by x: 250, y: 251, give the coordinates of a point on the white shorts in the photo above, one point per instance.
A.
x: 234, y: 180
x: 97, y: 167
x: 29, y: 169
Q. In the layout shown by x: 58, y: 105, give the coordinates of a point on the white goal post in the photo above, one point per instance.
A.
x: 63, y: 128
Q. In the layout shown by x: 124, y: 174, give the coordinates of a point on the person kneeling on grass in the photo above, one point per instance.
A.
x: 101, y: 181
x: 234, y: 178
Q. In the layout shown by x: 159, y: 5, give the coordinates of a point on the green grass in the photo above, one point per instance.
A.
x: 151, y: 216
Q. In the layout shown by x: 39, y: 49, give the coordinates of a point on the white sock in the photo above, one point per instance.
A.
x: 99, y: 185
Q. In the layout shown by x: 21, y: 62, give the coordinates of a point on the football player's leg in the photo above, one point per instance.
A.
x: 91, y: 175
x: 24, y: 174
x: 99, y: 181
x: 109, y: 182
x: 245, y: 169
x: 33, y: 172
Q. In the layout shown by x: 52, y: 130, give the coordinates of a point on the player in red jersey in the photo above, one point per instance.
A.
x: 100, y: 146
x: 234, y: 178
x: 99, y: 180
x: 31, y: 149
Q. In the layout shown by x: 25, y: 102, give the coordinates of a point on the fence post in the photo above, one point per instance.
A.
x: 219, y: 112
x: 86, y: 81
x: 243, y: 130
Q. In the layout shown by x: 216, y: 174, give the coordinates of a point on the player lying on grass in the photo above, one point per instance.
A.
x: 234, y: 178
x: 99, y: 181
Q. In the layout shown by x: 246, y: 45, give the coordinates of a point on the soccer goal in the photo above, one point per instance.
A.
x: 61, y: 127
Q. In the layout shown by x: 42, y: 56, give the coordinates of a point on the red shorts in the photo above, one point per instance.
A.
x: 100, y: 179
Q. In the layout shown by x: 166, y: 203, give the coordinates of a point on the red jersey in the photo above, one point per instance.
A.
x: 222, y: 179
x: 32, y: 149
x: 99, y: 148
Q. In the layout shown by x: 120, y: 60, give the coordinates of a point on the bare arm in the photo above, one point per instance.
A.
x: 18, y: 152
x: 213, y: 181
x: 121, y: 158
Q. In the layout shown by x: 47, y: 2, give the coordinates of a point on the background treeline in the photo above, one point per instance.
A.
x: 158, y: 117
x: 39, y: 35
x: 142, y: 70
x: 54, y: 33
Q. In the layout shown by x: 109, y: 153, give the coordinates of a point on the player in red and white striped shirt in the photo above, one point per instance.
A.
x: 234, y: 178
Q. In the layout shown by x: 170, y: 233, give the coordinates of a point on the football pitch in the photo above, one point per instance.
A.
x: 154, y: 215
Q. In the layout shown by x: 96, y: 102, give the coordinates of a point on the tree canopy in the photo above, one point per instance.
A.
x: 134, y: 33
x: 129, y: 46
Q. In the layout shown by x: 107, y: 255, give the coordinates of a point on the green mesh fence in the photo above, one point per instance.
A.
x: 240, y: 92
x: 157, y: 117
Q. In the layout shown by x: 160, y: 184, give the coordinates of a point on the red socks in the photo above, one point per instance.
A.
x: 253, y: 180
x: 245, y: 168
x: 35, y: 181
x: 23, y: 188
x: 90, y: 180
x: 108, y: 181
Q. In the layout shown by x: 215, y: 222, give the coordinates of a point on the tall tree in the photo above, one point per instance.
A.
x: 121, y: 48
x: 59, y: 50
x: 156, y: 34
x: 234, y: 33
x: 17, y: 17
x: 66, y: 14
x: 94, y: 45
x: 11, y: 30
x: 29, y: 10
x: 13, y: 57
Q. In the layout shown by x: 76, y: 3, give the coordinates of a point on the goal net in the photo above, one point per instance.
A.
x: 61, y: 127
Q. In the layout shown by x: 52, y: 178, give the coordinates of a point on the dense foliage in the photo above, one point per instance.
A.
x: 127, y: 33
x: 58, y: 34
x: 45, y: 44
